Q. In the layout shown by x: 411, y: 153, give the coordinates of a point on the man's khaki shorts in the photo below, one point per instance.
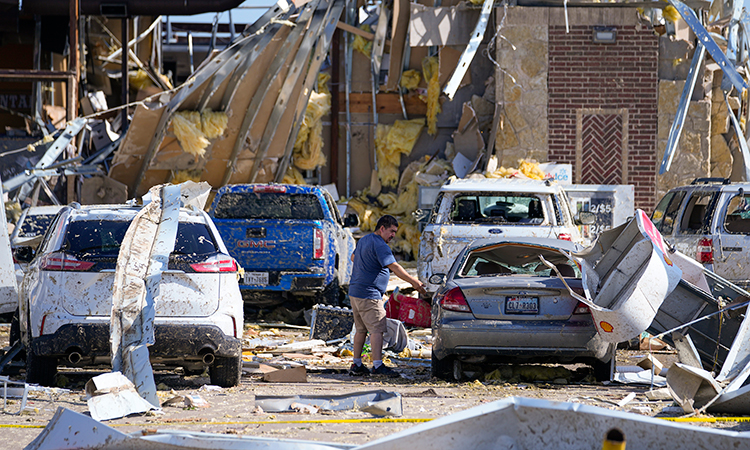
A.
x: 369, y: 314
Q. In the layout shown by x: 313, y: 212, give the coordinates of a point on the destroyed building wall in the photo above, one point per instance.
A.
x: 567, y: 99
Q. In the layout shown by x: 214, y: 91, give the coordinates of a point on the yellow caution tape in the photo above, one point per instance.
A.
x: 251, y: 422
x: 706, y: 419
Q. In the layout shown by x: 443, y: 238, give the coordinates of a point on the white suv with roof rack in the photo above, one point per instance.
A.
x: 469, y: 209
x: 65, y: 301
x: 709, y: 220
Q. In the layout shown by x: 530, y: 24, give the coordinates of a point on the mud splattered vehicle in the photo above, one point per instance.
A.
x: 290, y: 240
x: 65, y: 301
x: 709, y: 220
x: 471, y: 209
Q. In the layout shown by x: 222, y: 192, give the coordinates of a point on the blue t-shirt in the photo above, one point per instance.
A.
x: 370, y: 272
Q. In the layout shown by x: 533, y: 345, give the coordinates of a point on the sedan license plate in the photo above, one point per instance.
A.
x: 256, y: 278
x: 521, y: 305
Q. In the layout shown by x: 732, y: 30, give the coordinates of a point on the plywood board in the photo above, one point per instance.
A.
x: 399, y: 27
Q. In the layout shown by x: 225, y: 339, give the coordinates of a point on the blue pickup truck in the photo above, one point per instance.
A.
x: 290, y: 240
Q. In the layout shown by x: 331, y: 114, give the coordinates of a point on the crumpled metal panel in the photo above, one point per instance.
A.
x: 380, y: 402
x: 524, y: 423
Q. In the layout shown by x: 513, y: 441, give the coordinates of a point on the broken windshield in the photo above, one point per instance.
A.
x: 498, y: 208
x: 516, y: 259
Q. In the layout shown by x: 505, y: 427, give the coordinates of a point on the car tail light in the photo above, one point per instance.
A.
x: 41, y: 327
x: 270, y: 188
x: 454, y: 300
x: 582, y: 308
x: 220, y: 263
x: 318, y: 244
x: 64, y: 262
x: 705, y: 253
x: 234, y: 326
x: 564, y: 237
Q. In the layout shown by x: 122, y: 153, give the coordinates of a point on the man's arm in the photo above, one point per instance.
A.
x: 401, y: 273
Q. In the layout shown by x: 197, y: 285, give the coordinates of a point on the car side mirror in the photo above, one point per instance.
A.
x: 23, y: 254
x: 585, y: 218
x: 437, y: 278
x: 351, y: 220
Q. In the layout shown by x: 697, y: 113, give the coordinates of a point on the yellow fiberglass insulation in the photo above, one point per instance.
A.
x: 670, y: 13
x: 139, y: 79
x: 188, y: 132
x: 529, y: 169
x: 182, y: 176
x: 392, y: 141
x: 410, y: 79
x: 323, y: 79
x: 361, y: 44
x: 308, y: 147
x: 430, y: 71
x: 213, y: 123
x: 407, y: 237
x: 293, y: 176
x: 368, y: 215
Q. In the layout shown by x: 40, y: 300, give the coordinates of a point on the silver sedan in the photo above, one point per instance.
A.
x: 503, y: 302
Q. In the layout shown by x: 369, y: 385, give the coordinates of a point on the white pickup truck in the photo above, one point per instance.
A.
x: 469, y: 209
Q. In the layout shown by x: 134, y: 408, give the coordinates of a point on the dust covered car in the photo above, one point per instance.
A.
x: 66, y: 297
x: 470, y: 209
x: 500, y: 303
x: 28, y: 233
x: 709, y: 220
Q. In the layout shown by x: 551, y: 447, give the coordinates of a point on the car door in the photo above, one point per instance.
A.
x: 732, y: 231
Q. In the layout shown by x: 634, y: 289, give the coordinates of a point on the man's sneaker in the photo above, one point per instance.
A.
x: 358, y: 370
x: 385, y: 371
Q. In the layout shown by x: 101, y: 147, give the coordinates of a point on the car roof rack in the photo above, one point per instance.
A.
x: 710, y: 180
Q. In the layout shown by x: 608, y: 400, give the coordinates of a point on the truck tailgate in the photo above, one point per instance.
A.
x: 265, y: 245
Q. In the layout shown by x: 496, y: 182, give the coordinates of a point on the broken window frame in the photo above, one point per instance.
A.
x: 690, y: 205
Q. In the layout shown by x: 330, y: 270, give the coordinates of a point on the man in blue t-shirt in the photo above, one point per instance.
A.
x: 373, y: 263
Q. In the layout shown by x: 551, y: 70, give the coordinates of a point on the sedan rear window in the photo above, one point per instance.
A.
x: 269, y: 205
x: 517, y: 259
x: 103, y: 238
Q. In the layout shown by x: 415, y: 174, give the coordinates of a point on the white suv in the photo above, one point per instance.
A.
x: 709, y: 220
x: 469, y: 209
x: 66, y: 296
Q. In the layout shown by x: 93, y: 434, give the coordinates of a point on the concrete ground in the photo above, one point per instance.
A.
x: 232, y: 411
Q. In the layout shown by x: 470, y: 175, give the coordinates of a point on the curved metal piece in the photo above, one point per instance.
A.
x: 312, y: 75
x: 682, y: 109
x: 314, y: 17
x: 471, y: 49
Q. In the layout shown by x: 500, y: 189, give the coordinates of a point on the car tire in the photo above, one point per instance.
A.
x: 40, y: 370
x: 226, y: 372
x: 442, y: 368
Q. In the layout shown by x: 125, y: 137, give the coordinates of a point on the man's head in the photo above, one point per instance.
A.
x: 386, y: 227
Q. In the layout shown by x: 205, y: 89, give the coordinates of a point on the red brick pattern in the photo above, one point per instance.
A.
x: 607, y: 76
x: 601, y: 149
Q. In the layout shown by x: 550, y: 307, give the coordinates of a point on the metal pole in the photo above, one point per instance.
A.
x: 124, y: 73
x: 335, y: 66
x: 348, y: 50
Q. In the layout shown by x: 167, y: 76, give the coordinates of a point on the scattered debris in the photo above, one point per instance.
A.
x: 379, y: 403
x: 290, y: 375
x: 112, y: 395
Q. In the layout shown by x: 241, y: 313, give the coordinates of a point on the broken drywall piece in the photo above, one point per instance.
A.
x: 112, y: 395
x: 650, y: 362
x: 290, y: 375
x: 379, y: 402
x: 461, y: 165
x: 686, y: 350
x: 691, y: 387
x: 467, y: 139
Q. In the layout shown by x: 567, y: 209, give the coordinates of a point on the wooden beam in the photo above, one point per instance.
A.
x: 388, y: 103
x: 360, y: 32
